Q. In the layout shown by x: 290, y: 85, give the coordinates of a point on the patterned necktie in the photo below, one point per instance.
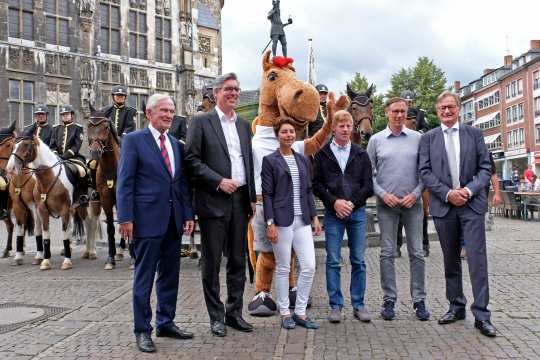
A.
x: 452, y: 158
x: 165, y: 153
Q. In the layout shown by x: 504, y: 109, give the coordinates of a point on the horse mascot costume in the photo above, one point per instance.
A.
x: 282, y: 95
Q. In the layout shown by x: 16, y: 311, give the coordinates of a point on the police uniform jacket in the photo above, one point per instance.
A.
x: 67, y: 140
x: 43, y: 132
x: 122, y: 118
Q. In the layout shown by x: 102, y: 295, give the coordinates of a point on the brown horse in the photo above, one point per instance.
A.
x: 7, y: 137
x: 53, y: 192
x: 105, y: 152
x: 361, y: 109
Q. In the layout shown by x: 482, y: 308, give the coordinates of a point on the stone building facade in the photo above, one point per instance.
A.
x: 74, y: 51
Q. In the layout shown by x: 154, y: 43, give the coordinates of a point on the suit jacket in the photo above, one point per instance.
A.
x: 146, y: 193
x: 208, y: 160
x: 474, y: 165
x: 179, y: 127
x: 331, y: 184
x: 277, y: 189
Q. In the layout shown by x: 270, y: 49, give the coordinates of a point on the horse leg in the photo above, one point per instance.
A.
x: 19, y: 243
x: 66, y: 225
x: 111, y: 262
x: 44, y: 215
x: 39, y: 238
x: 9, y: 243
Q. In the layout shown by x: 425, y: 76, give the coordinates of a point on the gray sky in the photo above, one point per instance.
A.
x: 378, y: 37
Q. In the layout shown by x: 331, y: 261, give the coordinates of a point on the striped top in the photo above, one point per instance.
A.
x: 291, y: 162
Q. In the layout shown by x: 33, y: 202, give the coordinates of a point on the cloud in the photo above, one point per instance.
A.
x: 378, y: 37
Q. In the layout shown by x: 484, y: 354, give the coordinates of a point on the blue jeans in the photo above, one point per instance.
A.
x: 356, y: 231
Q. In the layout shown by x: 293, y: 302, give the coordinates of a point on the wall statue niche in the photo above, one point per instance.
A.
x: 87, y: 8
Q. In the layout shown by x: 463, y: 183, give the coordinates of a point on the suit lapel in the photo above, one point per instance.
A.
x: 463, y: 148
x: 155, y: 149
x: 177, y: 155
x: 439, y: 144
x: 281, y: 161
x: 244, y: 138
x: 216, y: 124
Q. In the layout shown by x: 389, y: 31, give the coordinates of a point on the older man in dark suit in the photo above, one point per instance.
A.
x: 218, y: 152
x: 154, y: 207
x: 455, y: 167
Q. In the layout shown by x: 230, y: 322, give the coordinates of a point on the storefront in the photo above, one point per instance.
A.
x: 515, y: 160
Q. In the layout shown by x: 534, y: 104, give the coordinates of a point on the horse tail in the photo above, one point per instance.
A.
x: 78, y: 225
x: 29, y: 223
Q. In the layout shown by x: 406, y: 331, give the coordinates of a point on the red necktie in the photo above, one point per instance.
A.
x: 165, y: 153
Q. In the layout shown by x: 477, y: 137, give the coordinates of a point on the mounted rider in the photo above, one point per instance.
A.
x: 41, y: 125
x: 66, y: 142
x: 313, y: 127
x: 5, y: 134
x: 121, y: 115
x: 421, y: 123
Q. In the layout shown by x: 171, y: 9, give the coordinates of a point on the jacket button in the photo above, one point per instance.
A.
x: 170, y: 200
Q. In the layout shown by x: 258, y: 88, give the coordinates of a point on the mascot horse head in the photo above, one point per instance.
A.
x: 283, y: 95
x: 361, y: 109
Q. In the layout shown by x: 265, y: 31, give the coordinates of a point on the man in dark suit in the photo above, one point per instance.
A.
x: 218, y: 153
x: 455, y: 167
x: 154, y: 207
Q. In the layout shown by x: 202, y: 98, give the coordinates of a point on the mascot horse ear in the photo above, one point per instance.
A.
x: 266, y: 62
x: 350, y: 92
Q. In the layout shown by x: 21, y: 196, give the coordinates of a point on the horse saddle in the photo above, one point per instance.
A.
x: 75, y: 169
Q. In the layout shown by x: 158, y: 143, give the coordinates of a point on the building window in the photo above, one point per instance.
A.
x: 136, y: 101
x: 57, y: 95
x: 110, y: 27
x: 495, y: 145
x: 515, y: 88
x: 21, y: 19
x: 492, y: 123
x: 538, y: 135
x: 137, y: 34
x: 536, y: 106
x: 516, y: 138
x: 536, y: 79
x: 110, y: 73
x: 56, y: 21
x: 488, y: 101
x: 21, y: 102
x: 163, y: 40
x: 515, y: 113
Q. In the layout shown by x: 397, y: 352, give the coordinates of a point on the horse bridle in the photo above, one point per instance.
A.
x: 361, y: 101
x: 104, y: 146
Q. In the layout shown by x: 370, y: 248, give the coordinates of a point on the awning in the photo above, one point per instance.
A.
x: 491, y: 138
x: 486, y: 118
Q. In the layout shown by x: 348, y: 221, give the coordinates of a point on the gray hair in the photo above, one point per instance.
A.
x: 156, y: 99
x: 448, y: 93
x: 220, y: 80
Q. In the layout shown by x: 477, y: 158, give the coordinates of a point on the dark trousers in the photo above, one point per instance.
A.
x: 472, y: 225
x: 225, y: 235
x: 161, y: 254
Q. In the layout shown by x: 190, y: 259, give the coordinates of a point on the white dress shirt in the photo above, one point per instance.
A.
x: 455, y: 138
x: 156, y: 134
x: 238, y: 172
x: 341, y: 153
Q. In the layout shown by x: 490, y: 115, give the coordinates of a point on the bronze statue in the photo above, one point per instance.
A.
x: 276, y: 32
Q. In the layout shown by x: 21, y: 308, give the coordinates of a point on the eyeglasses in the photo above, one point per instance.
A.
x: 230, y: 89
x: 447, y: 107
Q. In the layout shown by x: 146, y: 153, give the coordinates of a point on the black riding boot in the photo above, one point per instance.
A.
x: 94, y: 195
x: 82, y: 191
x: 4, y: 196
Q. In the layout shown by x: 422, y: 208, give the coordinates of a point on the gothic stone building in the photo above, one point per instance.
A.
x: 73, y: 51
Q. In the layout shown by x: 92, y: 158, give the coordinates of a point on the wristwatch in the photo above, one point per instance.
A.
x: 269, y: 222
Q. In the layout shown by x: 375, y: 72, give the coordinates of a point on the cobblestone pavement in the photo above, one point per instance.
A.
x: 97, y: 321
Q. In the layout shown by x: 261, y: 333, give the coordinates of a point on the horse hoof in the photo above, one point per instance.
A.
x: 66, y: 265
x: 92, y: 256
x: 45, y: 265
x: 36, y: 261
x: 17, y: 262
x: 109, y: 266
x: 85, y: 255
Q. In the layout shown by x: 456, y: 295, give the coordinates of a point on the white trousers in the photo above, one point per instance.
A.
x: 298, y: 236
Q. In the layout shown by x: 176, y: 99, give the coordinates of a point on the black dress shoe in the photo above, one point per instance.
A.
x: 485, y: 327
x: 174, y: 332
x: 236, y: 322
x: 452, y: 316
x: 218, y: 328
x: 145, y: 343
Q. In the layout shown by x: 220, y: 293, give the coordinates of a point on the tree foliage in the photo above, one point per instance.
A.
x: 426, y: 80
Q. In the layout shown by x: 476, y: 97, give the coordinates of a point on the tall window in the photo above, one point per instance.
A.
x: 21, y: 19
x: 536, y: 79
x: 163, y: 39
x: 537, y: 106
x: 516, y: 138
x: 137, y: 34
x: 57, y: 21
x: 538, y: 134
x: 110, y: 27
x: 21, y: 102
x: 515, y: 113
x: 136, y: 101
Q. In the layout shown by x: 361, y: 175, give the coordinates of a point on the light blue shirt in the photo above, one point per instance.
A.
x: 341, y: 153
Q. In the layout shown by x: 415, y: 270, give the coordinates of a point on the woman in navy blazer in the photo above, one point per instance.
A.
x: 289, y: 210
